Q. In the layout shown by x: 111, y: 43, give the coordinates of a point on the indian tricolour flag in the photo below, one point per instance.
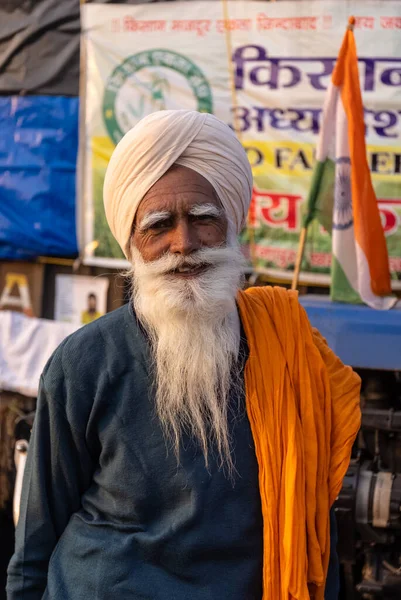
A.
x: 342, y: 196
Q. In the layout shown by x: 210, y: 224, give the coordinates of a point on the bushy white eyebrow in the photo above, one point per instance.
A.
x: 152, y: 218
x: 198, y: 210
x: 205, y: 210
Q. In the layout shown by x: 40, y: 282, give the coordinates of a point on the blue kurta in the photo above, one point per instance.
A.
x: 106, y: 512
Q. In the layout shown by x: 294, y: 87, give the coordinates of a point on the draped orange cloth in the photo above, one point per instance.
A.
x: 303, y: 407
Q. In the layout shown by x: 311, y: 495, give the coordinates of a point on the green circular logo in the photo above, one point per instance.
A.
x: 149, y: 81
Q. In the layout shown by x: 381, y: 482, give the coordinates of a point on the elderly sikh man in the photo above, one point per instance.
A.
x: 190, y: 445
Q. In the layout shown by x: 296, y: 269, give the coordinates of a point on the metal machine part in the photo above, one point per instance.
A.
x: 22, y: 432
x: 20, y: 455
x: 368, y: 508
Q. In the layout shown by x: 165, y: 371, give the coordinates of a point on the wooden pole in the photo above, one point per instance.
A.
x: 300, y: 255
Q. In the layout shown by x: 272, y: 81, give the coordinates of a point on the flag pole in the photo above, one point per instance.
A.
x: 300, y: 255
x: 351, y: 24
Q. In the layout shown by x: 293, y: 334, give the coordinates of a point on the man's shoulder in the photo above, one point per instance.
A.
x: 274, y: 291
x: 86, y: 353
x: 271, y: 298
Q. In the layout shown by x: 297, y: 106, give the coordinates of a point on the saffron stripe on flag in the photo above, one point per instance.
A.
x: 366, y: 265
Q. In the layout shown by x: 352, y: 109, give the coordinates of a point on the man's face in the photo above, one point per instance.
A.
x: 92, y: 303
x: 179, y: 215
x: 186, y: 271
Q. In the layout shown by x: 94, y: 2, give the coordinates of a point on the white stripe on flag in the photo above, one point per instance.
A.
x: 327, y: 130
x: 364, y: 287
x: 343, y: 235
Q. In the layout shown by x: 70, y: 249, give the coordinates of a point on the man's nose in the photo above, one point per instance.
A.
x: 184, y: 239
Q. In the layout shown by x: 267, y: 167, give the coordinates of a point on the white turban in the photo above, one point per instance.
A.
x: 199, y: 141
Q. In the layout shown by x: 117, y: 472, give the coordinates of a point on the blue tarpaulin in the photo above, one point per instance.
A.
x: 361, y: 336
x: 38, y: 153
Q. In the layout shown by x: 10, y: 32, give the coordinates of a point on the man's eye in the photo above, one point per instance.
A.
x: 204, y: 218
x: 160, y: 225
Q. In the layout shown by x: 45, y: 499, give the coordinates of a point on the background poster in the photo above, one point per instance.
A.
x: 262, y: 68
x: 79, y: 299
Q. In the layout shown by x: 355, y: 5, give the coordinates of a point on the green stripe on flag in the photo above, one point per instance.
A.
x: 341, y: 290
x: 321, y: 195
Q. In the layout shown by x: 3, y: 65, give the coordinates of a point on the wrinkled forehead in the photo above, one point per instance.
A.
x: 179, y: 190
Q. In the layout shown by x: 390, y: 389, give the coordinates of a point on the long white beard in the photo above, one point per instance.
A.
x: 193, y: 326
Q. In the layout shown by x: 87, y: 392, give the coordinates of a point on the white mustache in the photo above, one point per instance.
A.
x: 212, y: 257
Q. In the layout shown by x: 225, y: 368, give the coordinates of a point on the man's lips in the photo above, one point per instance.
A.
x: 189, y: 271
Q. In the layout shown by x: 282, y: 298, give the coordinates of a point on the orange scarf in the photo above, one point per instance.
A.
x: 303, y: 407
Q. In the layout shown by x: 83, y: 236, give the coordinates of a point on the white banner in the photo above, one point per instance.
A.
x: 264, y: 67
x: 26, y: 344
